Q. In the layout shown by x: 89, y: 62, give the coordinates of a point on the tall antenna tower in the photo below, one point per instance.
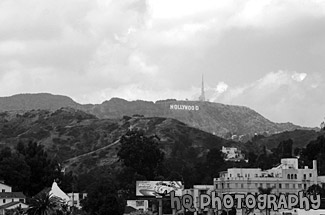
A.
x: 202, y: 96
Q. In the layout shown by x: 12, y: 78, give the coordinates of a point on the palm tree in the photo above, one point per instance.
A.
x: 44, y: 204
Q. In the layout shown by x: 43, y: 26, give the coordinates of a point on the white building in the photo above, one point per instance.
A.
x: 232, y: 153
x: 285, y: 178
x: 76, y: 198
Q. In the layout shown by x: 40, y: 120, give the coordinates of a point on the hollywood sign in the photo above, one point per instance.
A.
x: 184, y: 107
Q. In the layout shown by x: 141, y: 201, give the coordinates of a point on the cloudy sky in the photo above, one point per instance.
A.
x: 268, y: 55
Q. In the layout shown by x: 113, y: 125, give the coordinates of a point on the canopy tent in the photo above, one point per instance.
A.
x: 56, y: 191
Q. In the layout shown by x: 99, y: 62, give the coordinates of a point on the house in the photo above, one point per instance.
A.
x: 10, y: 200
x: 6, y: 197
x: 232, y: 154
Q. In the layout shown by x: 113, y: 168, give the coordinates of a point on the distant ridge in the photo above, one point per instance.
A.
x: 25, y: 102
x: 216, y: 118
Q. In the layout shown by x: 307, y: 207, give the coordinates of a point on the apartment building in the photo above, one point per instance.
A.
x: 285, y: 178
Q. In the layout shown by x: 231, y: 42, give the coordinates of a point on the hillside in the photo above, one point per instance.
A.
x: 300, y: 139
x: 25, y: 102
x: 82, y: 141
x: 219, y: 119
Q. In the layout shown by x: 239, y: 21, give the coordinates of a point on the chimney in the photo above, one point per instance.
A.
x: 315, y: 165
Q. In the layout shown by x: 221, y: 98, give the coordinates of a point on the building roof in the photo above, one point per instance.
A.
x: 10, y: 195
x: 10, y: 204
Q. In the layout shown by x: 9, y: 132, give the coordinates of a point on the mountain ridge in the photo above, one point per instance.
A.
x: 228, y: 121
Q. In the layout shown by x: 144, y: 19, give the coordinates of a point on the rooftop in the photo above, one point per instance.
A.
x: 10, y: 204
x: 7, y: 195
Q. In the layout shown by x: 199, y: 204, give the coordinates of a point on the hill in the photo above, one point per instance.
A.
x: 299, y: 137
x: 82, y: 141
x: 25, y: 102
x: 223, y: 120
x: 216, y: 118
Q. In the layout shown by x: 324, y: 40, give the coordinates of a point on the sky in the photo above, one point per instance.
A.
x: 268, y: 55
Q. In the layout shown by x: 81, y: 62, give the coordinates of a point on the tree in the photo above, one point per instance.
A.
x: 16, y: 211
x: 43, y: 170
x: 15, y: 171
x: 141, y: 153
x: 315, y: 189
x: 284, y: 149
x: 214, y: 162
x: 103, y: 198
x: 43, y: 204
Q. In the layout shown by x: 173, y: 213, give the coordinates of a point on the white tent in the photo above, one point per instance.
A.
x: 56, y: 191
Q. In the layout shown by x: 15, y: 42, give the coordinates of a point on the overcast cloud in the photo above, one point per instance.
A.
x: 264, y: 54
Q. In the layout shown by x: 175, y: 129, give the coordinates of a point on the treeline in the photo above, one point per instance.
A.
x: 28, y: 168
x: 315, y: 150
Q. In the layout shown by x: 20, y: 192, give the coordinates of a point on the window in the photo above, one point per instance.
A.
x: 304, y: 176
x: 216, y: 186
x: 295, y: 176
x: 4, y: 201
x: 299, y: 186
x: 3, y: 190
x: 288, y: 176
x: 310, y: 175
x: 21, y: 200
x: 230, y: 175
x: 242, y: 185
x: 305, y: 186
x: 287, y: 186
x: 261, y: 185
x: 291, y: 176
x: 293, y: 186
x: 280, y: 185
